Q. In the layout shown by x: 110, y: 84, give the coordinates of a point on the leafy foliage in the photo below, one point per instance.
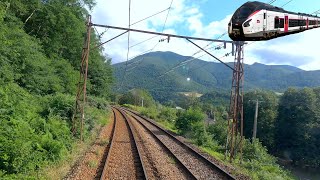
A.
x: 135, y: 97
x: 267, y: 114
x: 39, y: 62
x: 298, y: 126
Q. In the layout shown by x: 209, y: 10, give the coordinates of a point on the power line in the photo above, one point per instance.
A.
x: 272, y: 1
x: 150, y: 16
x: 163, y: 27
x: 168, y: 9
x: 111, y: 39
x: 316, y: 12
x: 125, y: 69
x: 286, y: 3
x: 144, y: 41
x: 189, y: 59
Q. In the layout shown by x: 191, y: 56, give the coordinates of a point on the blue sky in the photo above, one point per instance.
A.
x: 203, y: 18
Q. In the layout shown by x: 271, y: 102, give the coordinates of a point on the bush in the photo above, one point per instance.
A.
x: 260, y: 164
x: 58, y: 105
x: 168, y: 114
x: 187, y: 118
x: 218, y: 131
x: 151, y: 112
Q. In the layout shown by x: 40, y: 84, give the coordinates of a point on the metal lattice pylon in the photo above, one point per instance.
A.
x: 235, y: 121
x: 78, y: 114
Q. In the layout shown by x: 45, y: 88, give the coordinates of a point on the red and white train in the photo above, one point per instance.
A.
x: 255, y: 21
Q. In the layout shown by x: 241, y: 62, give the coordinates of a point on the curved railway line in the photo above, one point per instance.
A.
x: 129, y: 158
x: 197, y: 164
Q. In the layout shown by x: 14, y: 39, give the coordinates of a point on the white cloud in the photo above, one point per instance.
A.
x: 300, y: 50
x: 189, y: 18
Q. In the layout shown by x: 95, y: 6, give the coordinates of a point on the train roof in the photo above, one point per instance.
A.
x: 260, y: 5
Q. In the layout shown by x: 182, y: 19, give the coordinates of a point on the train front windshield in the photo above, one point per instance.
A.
x: 243, y: 12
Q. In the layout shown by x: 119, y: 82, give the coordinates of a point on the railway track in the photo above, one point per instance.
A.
x: 198, y: 166
x: 124, y: 158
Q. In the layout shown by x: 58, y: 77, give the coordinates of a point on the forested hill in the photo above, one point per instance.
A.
x: 40, y: 56
x: 144, y: 71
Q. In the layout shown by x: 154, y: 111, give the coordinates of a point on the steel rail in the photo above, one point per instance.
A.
x: 102, y: 177
x: 145, y: 176
x: 200, y: 156
x: 191, y: 175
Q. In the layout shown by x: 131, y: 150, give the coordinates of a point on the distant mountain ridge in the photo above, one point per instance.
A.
x: 144, y: 71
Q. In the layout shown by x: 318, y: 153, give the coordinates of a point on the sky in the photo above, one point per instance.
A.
x: 201, y: 18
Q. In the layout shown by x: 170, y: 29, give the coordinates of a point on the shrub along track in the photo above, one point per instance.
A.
x: 123, y: 160
x: 199, y: 166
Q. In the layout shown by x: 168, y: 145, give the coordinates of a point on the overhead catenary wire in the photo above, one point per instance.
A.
x: 316, y: 12
x: 111, y: 39
x: 190, y: 58
x: 150, y: 16
x: 167, y: 9
x: 272, y: 1
x: 128, y: 51
x: 163, y: 27
x: 286, y: 3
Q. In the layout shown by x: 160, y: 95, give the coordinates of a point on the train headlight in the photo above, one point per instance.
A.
x: 247, y: 24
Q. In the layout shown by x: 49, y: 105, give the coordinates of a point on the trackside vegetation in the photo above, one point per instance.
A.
x: 40, y: 53
x: 257, y: 162
x: 208, y: 131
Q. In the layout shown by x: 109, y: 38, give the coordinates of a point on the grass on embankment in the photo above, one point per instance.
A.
x: 60, y: 169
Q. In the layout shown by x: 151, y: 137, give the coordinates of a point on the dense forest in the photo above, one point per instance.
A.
x: 289, y: 125
x: 40, y: 54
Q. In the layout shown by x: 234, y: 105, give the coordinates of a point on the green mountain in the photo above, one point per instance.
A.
x: 147, y: 71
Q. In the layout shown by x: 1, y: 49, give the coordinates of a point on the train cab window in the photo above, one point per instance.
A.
x: 244, y: 12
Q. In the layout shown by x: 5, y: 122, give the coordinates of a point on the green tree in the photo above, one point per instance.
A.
x: 298, y: 126
x: 40, y: 53
x: 136, y: 96
x: 267, y: 113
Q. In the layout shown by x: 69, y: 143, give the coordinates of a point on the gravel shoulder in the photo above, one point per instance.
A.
x: 89, y: 165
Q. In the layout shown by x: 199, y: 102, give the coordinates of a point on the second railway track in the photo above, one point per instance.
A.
x: 198, y: 165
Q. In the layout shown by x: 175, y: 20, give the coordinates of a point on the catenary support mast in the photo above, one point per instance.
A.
x: 235, y: 121
x: 79, y: 115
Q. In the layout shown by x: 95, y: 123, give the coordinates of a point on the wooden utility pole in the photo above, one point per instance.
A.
x: 142, y: 102
x: 254, y: 134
